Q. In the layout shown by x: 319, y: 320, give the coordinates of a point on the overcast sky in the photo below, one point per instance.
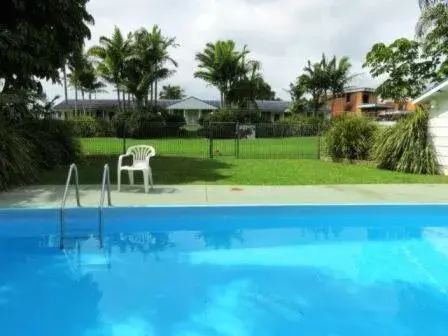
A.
x: 282, y: 34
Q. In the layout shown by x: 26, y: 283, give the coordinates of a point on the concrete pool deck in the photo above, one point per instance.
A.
x: 50, y: 195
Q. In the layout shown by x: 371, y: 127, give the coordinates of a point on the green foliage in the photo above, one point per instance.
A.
x: 407, y: 146
x: 33, y: 145
x: 16, y: 160
x: 238, y: 79
x: 88, y: 127
x: 322, y: 81
x: 406, y: 67
x: 172, y: 92
x: 432, y: 28
x: 37, y: 37
x: 53, y: 141
x: 350, y: 137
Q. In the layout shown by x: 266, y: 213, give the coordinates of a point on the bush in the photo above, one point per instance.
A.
x: 293, y: 126
x: 85, y: 126
x: 407, y: 146
x: 31, y: 145
x: 17, y: 165
x: 54, y: 142
x: 350, y: 137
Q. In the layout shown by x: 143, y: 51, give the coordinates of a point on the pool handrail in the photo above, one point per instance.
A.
x: 72, y: 169
x: 105, y: 185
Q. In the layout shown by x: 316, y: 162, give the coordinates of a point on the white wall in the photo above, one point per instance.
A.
x: 438, y: 127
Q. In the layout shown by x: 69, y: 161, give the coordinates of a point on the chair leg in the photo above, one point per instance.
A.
x: 119, y: 179
x: 145, y: 180
x: 150, y: 177
x: 131, y: 177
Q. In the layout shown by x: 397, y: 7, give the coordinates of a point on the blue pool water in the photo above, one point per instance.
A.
x: 280, y: 270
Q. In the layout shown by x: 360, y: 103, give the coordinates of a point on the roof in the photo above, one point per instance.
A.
x: 263, y: 105
x: 442, y: 87
x: 375, y: 106
x: 352, y: 89
x: 191, y: 103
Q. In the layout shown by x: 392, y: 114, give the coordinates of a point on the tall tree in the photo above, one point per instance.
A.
x: 112, y: 54
x: 37, y: 37
x: 146, y: 64
x: 172, y: 92
x: 407, y: 69
x: 219, y: 64
x: 160, y: 45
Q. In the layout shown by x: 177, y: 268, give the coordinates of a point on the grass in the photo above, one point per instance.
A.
x: 226, y: 171
x: 299, y: 147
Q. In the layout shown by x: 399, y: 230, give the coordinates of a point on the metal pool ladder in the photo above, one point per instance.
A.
x: 73, y: 171
x: 105, y: 186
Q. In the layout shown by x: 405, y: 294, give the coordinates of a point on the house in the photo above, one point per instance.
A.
x: 437, y: 101
x: 363, y: 100
x: 191, y: 108
x: 354, y: 100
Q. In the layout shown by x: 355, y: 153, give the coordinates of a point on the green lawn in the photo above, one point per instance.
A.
x: 300, y: 147
x: 189, y: 170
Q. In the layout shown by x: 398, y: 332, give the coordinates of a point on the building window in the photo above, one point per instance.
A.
x: 365, y: 98
x: 99, y: 114
x: 276, y: 117
x: 348, y: 97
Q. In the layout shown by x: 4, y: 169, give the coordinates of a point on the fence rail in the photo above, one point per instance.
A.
x: 239, y: 140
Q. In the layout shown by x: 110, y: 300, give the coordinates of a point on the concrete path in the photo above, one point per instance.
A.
x: 50, y: 196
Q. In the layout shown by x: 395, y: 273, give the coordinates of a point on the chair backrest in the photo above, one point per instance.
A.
x: 141, y: 152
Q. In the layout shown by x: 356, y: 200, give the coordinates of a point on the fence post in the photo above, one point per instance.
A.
x: 210, y: 140
x: 124, y: 138
x: 237, y: 140
x: 318, y: 142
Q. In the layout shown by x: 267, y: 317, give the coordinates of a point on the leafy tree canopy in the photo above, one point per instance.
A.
x: 37, y: 37
x: 406, y: 67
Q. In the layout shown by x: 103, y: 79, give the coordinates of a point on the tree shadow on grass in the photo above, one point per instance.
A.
x: 166, y: 170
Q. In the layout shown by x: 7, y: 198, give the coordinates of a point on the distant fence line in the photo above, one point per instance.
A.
x: 245, y: 140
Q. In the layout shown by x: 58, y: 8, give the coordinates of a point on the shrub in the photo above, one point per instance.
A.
x: 54, y: 142
x: 350, y: 137
x: 293, y: 126
x: 17, y: 165
x: 407, y: 146
x: 31, y: 145
x: 85, y: 126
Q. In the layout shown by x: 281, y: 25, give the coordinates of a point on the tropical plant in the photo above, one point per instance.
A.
x: 350, y: 137
x: 407, y: 146
x: 406, y: 67
x: 321, y: 81
x: 146, y: 64
x: 246, y: 88
x: 220, y: 65
x: 172, y: 92
x: 111, y: 55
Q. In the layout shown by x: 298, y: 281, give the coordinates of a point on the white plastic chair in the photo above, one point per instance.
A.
x: 140, y: 161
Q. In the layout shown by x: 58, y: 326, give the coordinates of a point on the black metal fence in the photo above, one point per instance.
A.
x: 266, y: 140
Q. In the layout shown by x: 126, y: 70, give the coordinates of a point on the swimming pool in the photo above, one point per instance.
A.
x: 249, y: 270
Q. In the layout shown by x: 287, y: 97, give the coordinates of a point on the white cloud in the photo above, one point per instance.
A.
x: 282, y: 34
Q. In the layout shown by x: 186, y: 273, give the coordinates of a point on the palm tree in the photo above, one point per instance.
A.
x: 172, y: 92
x: 339, y: 76
x: 220, y: 65
x: 246, y: 89
x: 112, y: 54
x: 146, y: 64
x: 160, y: 46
